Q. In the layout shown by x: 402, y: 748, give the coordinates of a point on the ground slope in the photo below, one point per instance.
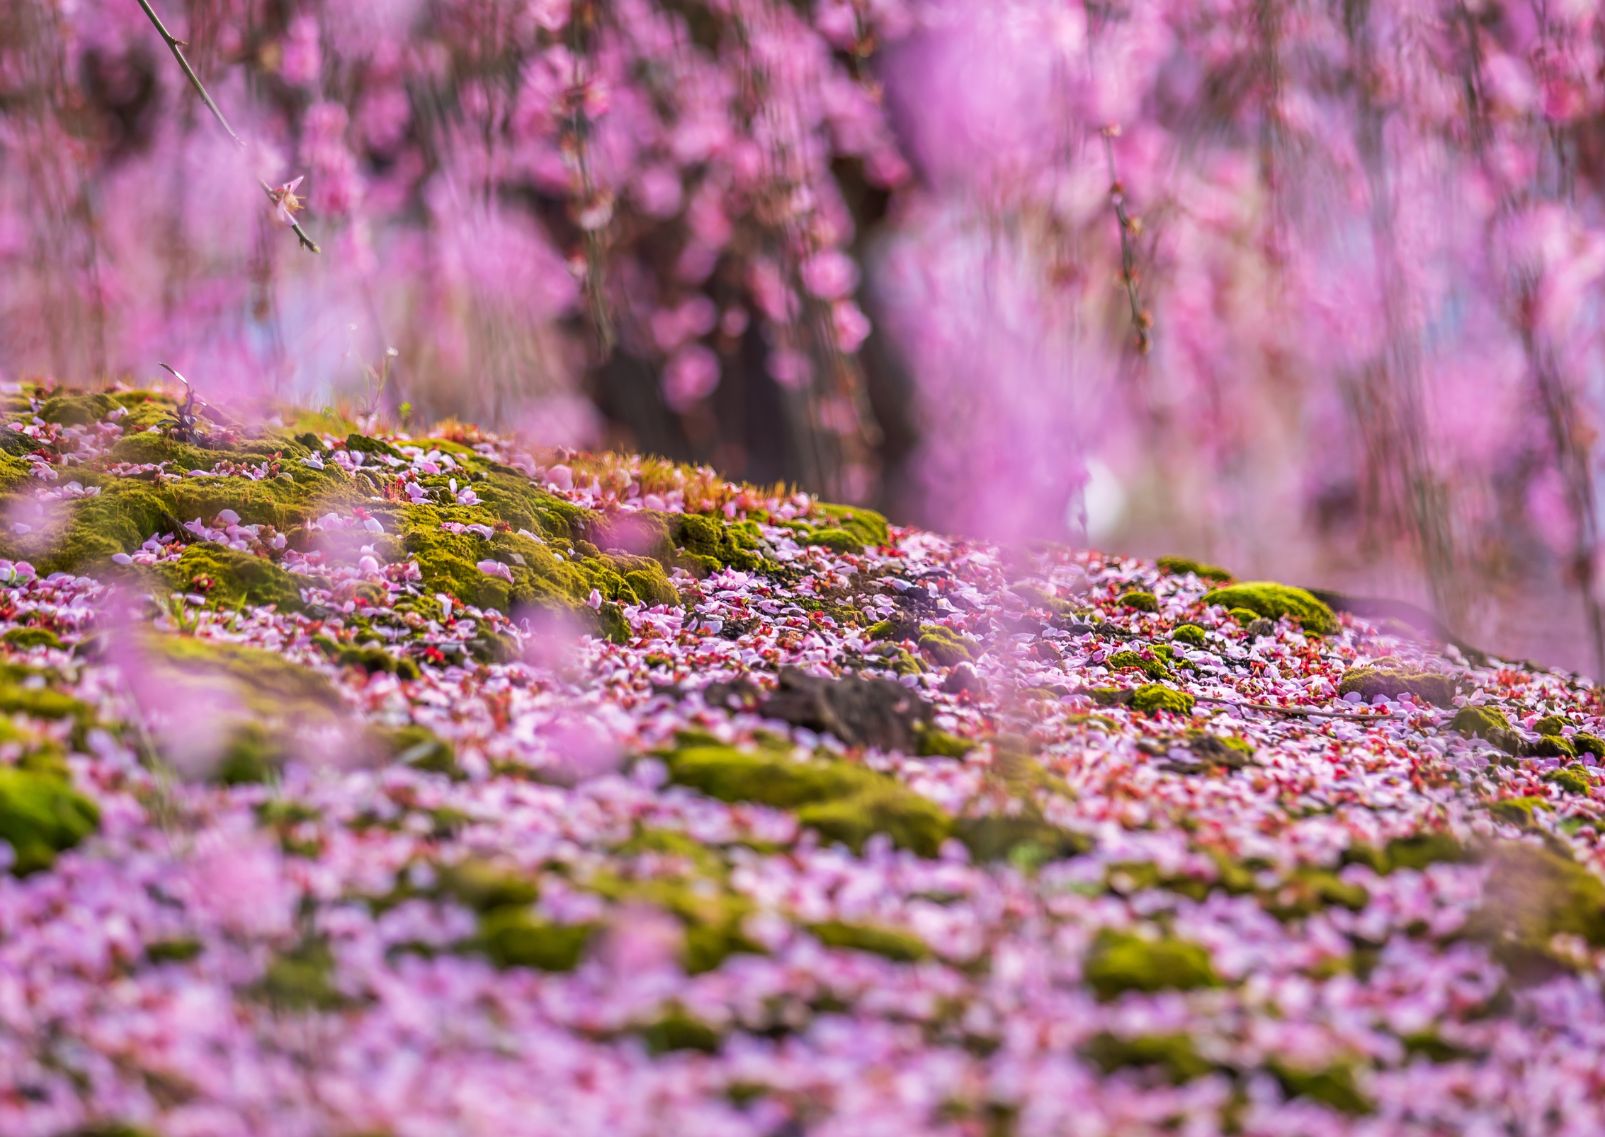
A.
x: 375, y: 785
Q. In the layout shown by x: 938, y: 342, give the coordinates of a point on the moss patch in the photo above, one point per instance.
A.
x: 1139, y: 600
x: 901, y: 946
x: 1151, y: 698
x: 842, y: 801
x: 232, y: 579
x: 516, y: 937
x: 1274, y: 601
x: 946, y: 646
x: 1391, y: 682
x: 1190, y: 634
x: 41, y: 816
x: 1119, y: 962
x: 1183, y: 566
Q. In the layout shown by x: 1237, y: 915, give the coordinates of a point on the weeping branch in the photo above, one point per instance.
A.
x: 177, y: 46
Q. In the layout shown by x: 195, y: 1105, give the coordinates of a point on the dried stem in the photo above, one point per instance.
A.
x: 1130, y: 227
x: 177, y: 46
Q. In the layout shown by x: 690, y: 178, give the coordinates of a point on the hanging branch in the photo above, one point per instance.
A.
x: 593, y: 200
x: 284, y: 196
x: 1130, y: 228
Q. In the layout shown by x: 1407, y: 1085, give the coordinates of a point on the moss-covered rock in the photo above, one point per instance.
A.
x: 30, y: 639
x: 1573, y: 779
x: 676, y: 1029
x: 1190, y: 634
x: 1274, y: 601
x: 1119, y: 962
x: 1138, y: 600
x: 1175, y: 1055
x: 1184, y: 566
x: 301, y: 980
x: 1152, y: 698
x: 1391, y: 682
x: 892, y: 943
x: 1487, y: 723
x: 1335, y: 1086
x: 841, y: 800
x: 934, y: 743
x: 370, y: 657
x: 1151, y: 666
x: 516, y: 937
x: 41, y: 816
x: 946, y: 646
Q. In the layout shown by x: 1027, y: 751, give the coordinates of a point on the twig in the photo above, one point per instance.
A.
x: 177, y: 46
x: 1309, y: 712
x: 1130, y: 227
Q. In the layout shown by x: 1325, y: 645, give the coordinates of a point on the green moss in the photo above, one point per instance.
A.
x: 711, y: 544
x: 30, y: 639
x: 710, y: 914
x: 934, y: 743
x: 38, y: 702
x: 300, y: 980
x: 1589, y: 744
x: 109, y: 1129
x: 252, y: 755
x: 1333, y: 1086
x: 901, y: 946
x: 1307, y: 891
x: 1481, y: 722
x: 1274, y: 601
x: 1182, y: 566
x: 1550, y: 746
x: 485, y: 885
x: 1026, y: 840
x: 911, y: 821
x: 119, y: 519
x: 41, y: 816
x: 679, y: 1030
x: 1391, y: 682
x: 1152, y: 698
x: 1517, y: 810
x: 362, y: 443
x: 233, y: 579
x: 1244, y: 615
x: 944, y: 645
x: 420, y: 748
x: 516, y: 937
x: 1174, y: 1054
x: 840, y: 800
x: 1572, y: 779
x: 864, y: 526
x: 180, y: 950
x: 1190, y: 634
x: 1415, y: 852
x: 368, y: 657
x: 1119, y: 962
x: 266, y: 678
x: 698, y: 858
x: 1130, y: 660
x: 1550, y: 724
x: 77, y: 409
x: 1139, y: 600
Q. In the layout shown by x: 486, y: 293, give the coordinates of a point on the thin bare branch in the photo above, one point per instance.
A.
x: 177, y: 46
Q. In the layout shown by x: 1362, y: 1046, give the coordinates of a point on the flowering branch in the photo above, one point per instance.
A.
x: 284, y: 199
